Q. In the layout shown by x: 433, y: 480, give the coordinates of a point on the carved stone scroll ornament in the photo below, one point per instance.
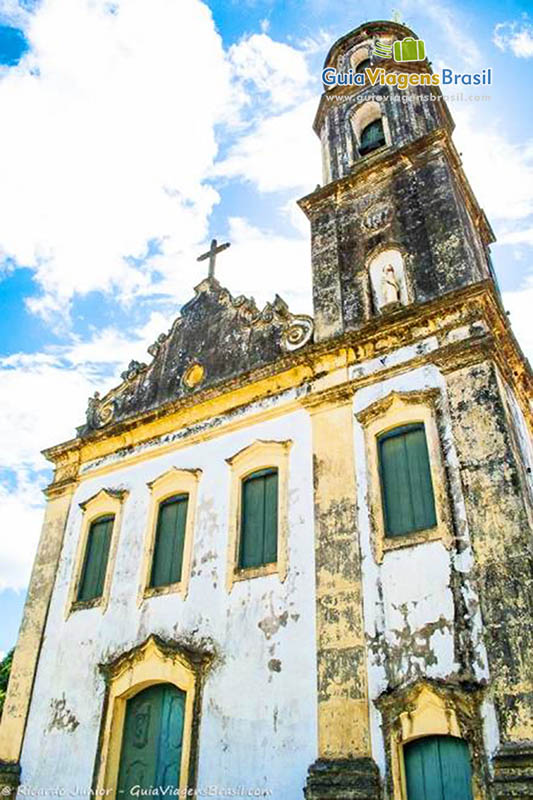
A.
x: 292, y: 332
x: 99, y: 412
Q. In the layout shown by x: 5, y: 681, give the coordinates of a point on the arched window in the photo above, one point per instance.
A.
x: 438, y: 767
x: 364, y: 64
x: 372, y: 137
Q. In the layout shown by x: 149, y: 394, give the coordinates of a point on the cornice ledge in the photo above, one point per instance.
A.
x: 329, y: 398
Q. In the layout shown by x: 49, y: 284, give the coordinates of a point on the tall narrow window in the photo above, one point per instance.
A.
x: 96, y: 556
x: 438, y: 768
x: 372, y: 137
x: 406, y: 485
x: 259, y: 519
x: 169, y: 541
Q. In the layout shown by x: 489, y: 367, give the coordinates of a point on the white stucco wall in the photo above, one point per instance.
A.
x: 258, y: 726
x: 409, y: 606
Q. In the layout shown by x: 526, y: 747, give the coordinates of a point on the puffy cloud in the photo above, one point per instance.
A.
x: 280, y: 152
x: 516, y: 37
x: 519, y: 303
x: 43, y: 395
x: 262, y: 263
x: 276, y: 70
x: 109, y: 142
x: 506, y: 189
x: 22, y: 515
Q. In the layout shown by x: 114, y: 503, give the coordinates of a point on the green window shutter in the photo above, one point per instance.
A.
x: 372, y: 137
x: 169, y: 541
x: 438, y: 768
x: 96, y: 557
x: 152, y: 740
x: 406, y: 486
x: 259, y: 519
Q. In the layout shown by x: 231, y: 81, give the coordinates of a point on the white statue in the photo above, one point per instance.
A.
x: 390, y: 288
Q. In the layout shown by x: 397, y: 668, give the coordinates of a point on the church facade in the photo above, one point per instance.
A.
x: 292, y: 556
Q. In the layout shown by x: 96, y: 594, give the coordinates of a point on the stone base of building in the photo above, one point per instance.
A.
x: 9, y: 779
x: 513, y: 773
x: 346, y: 779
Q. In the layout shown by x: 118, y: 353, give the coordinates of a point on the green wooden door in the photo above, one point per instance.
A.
x: 152, y: 740
x: 438, y: 768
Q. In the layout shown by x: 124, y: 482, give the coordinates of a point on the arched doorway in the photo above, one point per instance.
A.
x: 438, y: 768
x: 152, y: 739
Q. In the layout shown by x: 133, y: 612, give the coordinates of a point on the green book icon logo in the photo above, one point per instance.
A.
x: 382, y: 49
x: 409, y: 49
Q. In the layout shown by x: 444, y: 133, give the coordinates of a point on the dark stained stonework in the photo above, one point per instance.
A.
x: 513, y: 773
x: 343, y: 779
x: 215, y: 338
x: 410, y: 194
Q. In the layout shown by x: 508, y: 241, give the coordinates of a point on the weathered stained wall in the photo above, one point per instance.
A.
x: 413, y: 205
x: 258, y: 717
x: 499, y: 513
x: 421, y: 605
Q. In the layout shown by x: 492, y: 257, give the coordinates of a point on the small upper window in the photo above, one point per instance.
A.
x: 259, y: 519
x: 96, y: 557
x: 169, y: 541
x: 372, y: 137
x: 365, y: 64
x: 406, y: 485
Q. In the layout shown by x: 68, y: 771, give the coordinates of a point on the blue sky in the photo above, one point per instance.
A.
x: 133, y: 132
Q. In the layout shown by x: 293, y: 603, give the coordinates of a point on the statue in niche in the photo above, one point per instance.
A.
x: 390, y: 288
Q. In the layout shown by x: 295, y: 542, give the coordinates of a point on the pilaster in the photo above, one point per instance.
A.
x: 344, y: 768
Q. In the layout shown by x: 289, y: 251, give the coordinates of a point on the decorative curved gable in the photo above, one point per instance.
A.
x: 216, y: 337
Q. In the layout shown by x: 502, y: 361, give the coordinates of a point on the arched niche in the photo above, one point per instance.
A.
x: 359, y: 55
x: 388, y: 280
x: 364, y: 116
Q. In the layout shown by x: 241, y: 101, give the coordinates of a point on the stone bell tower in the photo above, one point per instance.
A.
x: 403, y: 283
x: 394, y: 192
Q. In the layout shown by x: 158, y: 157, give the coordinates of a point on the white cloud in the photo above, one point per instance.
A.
x: 43, y: 396
x: 261, y: 263
x: 514, y: 36
x: 110, y: 139
x: 276, y: 70
x: 452, y: 23
x: 506, y: 189
x: 523, y: 236
x: 281, y: 152
x: 519, y: 303
x: 22, y: 516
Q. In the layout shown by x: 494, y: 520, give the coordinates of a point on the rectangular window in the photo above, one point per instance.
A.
x: 169, y: 541
x: 406, y: 485
x: 96, y: 556
x: 259, y: 519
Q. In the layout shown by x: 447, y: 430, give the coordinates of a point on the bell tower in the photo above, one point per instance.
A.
x: 395, y: 222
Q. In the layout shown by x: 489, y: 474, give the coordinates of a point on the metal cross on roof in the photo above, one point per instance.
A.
x: 212, y: 255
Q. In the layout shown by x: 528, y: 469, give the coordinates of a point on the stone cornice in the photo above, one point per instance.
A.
x: 387, y: 162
